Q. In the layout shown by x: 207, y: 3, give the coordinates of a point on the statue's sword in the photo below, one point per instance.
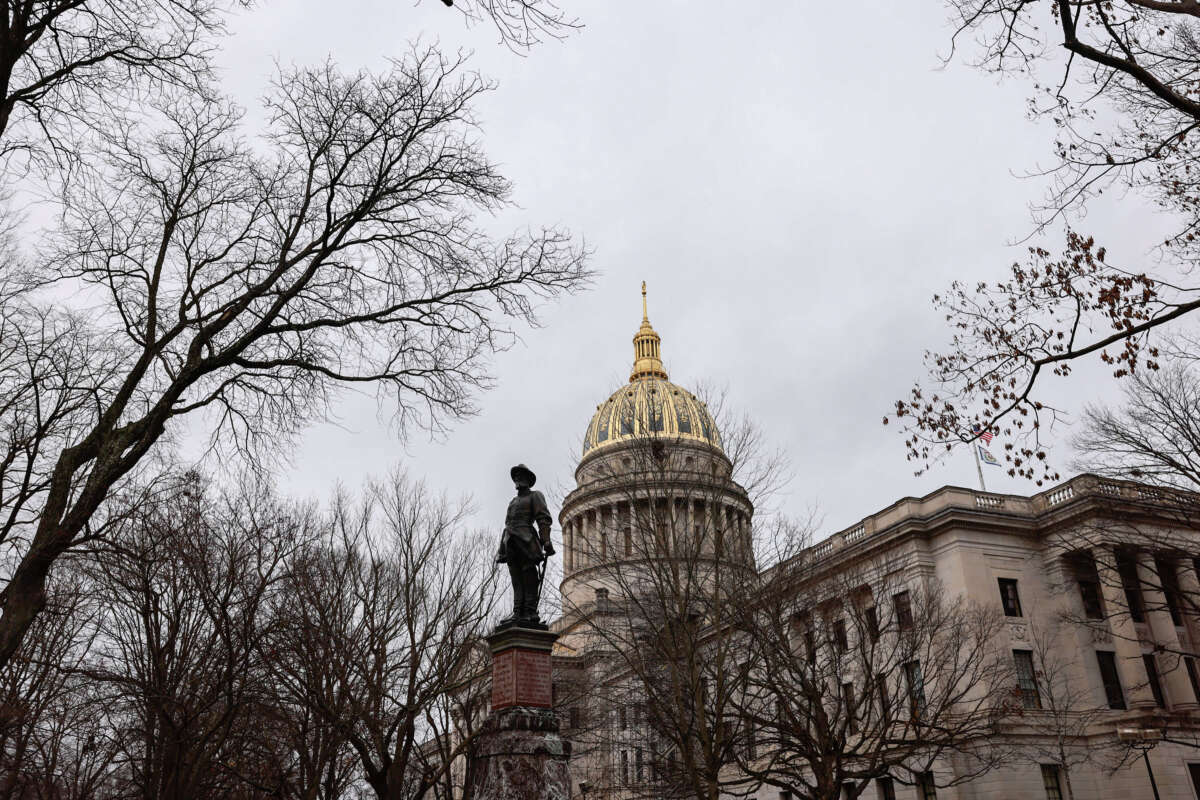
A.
x: 542, y: 574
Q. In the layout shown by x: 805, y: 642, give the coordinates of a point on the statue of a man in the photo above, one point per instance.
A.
x: 523, y: 548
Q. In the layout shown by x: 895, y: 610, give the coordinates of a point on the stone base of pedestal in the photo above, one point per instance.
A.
x: 520, y: 756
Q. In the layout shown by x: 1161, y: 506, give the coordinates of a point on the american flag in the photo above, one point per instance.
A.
x: 985, y: 435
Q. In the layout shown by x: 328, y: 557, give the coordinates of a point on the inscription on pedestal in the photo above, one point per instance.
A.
x: 533, y: 679
x: 521, y: 678
x: 504, y: 688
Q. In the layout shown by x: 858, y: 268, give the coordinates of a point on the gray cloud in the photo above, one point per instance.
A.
x: 793, y: 181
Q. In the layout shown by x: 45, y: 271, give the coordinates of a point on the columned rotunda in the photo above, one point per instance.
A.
x: 652, y: 472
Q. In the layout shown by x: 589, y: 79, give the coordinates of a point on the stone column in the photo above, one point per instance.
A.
x: 518, y: 754
x: 1126, y: 645
x: 1172, y: 672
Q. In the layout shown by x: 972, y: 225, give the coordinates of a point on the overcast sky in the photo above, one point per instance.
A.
x: 793, y: 181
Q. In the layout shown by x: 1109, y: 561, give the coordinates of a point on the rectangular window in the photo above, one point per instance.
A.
x: 1127, y: 569
x: 1111, y: 679
x: 623, y: 714
x: 602, y: 600
x: 1027, y: 686
x: 637, y: 765
x: 1194, y: 771
x: 751, y: 741
x: 872, y: 616
x: 810, y: 645
x: 575, y: 720
x: 839, y: 635
x: 916, y: 688
x: 885, y: 703
x: 785, y: 795
x: 1089, y: 593
x: 851, y: 707
x: 1190, y: 663
x: 1152, y: 679
x: 1009, y: 597
x: 903, y: 606
x: 1050, y: 782
x: 625, y: 766
x: 1169, y: 578
x: 926, y: 787
x: 886, y: 788
x: 628, y: 542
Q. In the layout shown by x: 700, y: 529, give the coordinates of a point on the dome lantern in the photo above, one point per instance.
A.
x: 647, y: 357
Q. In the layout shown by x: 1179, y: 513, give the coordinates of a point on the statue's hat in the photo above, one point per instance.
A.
x: 521, y: 469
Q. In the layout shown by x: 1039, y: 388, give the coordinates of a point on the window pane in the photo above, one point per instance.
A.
x: 1027, y: 686
x: 1152, y: 679
x: 1111, y: 679
x: 1089, y: 592
x: 1127, y: 569
x: 1009, y: 597
x: 904, y: 618
x: 886, y: 787
x: 926, y: 786
x: 1050, y: 782
x: 872, y: 615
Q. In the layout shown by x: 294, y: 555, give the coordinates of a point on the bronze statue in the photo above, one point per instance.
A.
x: 525, y: 549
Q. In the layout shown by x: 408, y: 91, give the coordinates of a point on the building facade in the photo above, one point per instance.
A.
x: 1093, y: 586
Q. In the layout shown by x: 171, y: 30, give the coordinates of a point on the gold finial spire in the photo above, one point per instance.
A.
x: 647, y: 363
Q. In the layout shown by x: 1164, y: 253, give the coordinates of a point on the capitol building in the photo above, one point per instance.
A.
x: 959, y: 645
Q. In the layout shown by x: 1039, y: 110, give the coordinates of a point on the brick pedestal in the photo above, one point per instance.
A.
x: 519, y: 754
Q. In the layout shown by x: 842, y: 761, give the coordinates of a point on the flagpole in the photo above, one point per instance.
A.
x: 978, y: 466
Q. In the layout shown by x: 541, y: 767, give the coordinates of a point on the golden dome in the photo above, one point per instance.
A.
x: 650, y: 404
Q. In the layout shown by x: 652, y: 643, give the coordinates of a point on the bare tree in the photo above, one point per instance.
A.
x: 1121, y: 98
x: 379, y: 627
x: 185, y: 587
x: 252, y: 284
x: 67, y: 65
x: 57, y: 738
x: 866, y: 672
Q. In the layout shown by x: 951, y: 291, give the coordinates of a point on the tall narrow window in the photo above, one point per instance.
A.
x: 628, y: 542
x: 872, y: 617
x: 916, y: 688
x: 1152, y: 679
x: 886, y: 788
x: 1190, y: 663
x: 1009, y: 597
x: 885, y: 702
x: 851, y: 707
x: 926, y: 786
x: 637, y: 765
x: 1027, y: 686
x: 1051, y: 783
x: 625, y: 766
x: 602, y: 600
x: 1089, y: 593
x: 903, y: 606
x: 1170, y: 586
x: 1111, y: 679
x: 839, y: 635
x: 1127, y: 570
